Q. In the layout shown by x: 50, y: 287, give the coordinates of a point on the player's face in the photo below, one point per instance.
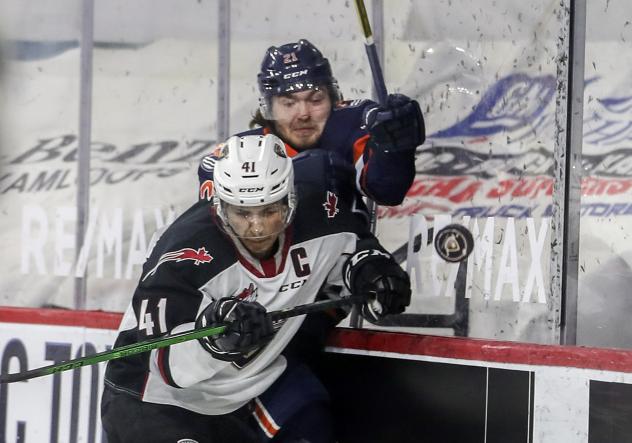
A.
x: 257, y: 227
x: 300, y: 117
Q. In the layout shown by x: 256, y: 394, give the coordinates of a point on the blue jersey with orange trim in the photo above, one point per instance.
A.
x: 383, y: 177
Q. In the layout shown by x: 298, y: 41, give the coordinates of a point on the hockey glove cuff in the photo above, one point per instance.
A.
x: 375, y: 275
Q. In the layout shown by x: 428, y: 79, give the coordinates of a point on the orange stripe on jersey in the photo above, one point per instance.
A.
x: 291, y: 152
x: 363, y: 177
x: 265, y: 421
x: 359, y: 146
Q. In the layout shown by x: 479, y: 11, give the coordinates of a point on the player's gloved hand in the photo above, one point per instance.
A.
x: 396, y: 126
x: 375, y: 275
x: 247, y: 328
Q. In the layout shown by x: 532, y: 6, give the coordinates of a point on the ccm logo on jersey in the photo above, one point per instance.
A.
x: 294, y: 285
x: 331, y: 205
x: 295, y: 74
x: 197, y: 257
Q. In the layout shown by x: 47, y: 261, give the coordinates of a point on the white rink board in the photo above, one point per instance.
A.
x: 54, y: 408
x: 44, y: 409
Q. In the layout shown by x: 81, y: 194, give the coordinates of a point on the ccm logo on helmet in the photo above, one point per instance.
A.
x: 250, y: 189
x: 295, y: 74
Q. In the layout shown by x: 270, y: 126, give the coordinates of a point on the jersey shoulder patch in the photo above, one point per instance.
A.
x: 208, y: 161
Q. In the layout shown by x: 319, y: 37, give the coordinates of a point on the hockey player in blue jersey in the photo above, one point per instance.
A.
x: 268, y: 241
x: 300, y: 102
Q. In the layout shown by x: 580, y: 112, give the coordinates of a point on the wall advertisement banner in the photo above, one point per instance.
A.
x: 489, y: 100
x: 59, y: 408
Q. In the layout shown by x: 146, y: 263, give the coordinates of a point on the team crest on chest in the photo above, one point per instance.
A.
x: 331, y: 205
x: 197, y: 257
x: 248, y: 294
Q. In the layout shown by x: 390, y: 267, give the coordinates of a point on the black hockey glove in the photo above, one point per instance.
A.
x: 396, y: 126
x: 248, y: 328
x: 375, y: 275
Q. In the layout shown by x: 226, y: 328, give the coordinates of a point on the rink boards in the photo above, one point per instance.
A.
x: 387, y: 386
x: 449, y: 389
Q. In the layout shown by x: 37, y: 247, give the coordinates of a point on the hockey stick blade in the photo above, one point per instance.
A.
x: 162, y: 342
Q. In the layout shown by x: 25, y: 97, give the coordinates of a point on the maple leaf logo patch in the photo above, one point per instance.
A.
x: 331, y: 205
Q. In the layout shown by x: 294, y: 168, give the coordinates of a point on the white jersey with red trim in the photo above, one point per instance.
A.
x: 195, y: 262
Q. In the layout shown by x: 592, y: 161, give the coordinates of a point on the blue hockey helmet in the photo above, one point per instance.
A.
x: 294, y: 67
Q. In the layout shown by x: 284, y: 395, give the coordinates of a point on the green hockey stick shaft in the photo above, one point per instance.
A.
x: 161, y: 342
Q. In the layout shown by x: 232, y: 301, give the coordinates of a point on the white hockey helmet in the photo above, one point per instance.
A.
x: 253, y: 170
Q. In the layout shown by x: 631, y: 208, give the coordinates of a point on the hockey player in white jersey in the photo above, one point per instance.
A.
x: 265, y: 243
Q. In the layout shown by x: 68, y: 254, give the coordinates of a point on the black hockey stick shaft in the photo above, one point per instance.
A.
x: 371, y: 52
x: 382, y: 94
x: 316, y: 306
x: 455, y: 241
x: 380, y: 90
x: 161, y: 342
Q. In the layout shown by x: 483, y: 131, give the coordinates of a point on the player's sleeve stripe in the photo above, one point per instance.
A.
x: 359, y: 146
x: 361, y: 175
x: 208, y: 163
x: 163, y: 366
x: 359, y: 167
x: 265, y: 420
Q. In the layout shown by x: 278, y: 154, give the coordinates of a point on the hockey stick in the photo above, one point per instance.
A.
x: 380, y: 90
x: 371, y: 52
x: 453, y: 243
x: 382, y: 97
x: 162, y: 342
